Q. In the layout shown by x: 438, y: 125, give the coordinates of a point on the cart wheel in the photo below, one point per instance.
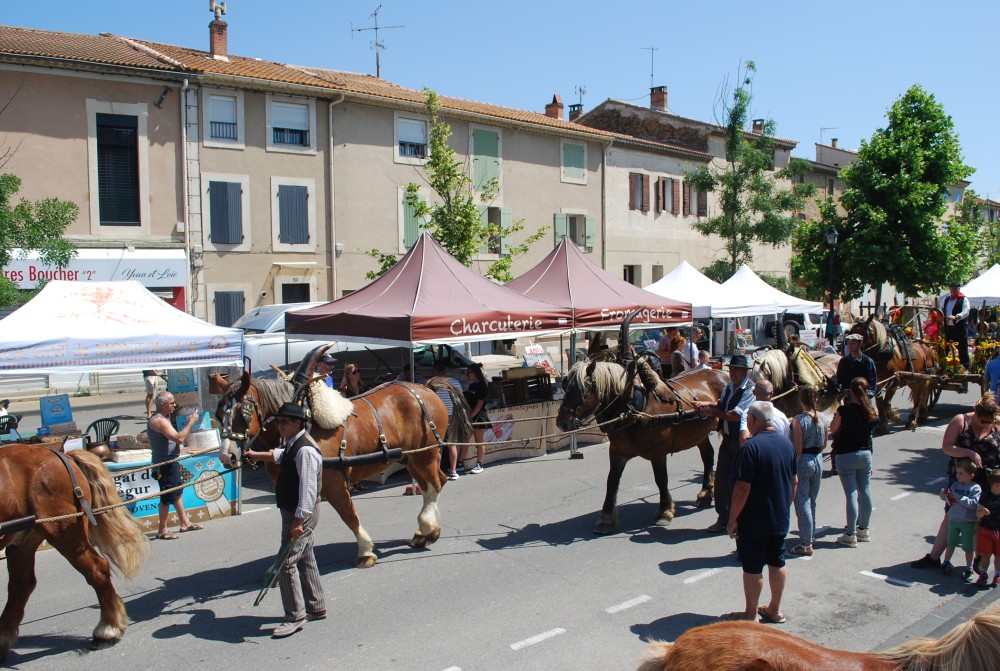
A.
x: 932, y: 398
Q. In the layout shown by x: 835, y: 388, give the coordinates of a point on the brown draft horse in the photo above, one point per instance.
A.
x: 973, y: 645
x: 34, y: 481
x: 246, y: 405
x: 599, y: 390
x: 890, y: 357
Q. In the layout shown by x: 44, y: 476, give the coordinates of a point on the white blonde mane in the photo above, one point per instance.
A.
x: 329, y: 408
x: 772, y: 365
x: 608, y: 378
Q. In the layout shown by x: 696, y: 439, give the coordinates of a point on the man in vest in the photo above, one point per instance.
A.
x: 956, y: 310
x: 733, y: 404
x: 297, y: 491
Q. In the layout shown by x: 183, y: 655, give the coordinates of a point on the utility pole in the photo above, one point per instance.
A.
x: 378, y: 46
x: 652, y: 52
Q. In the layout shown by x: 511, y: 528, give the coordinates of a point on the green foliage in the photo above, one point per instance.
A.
x: 32, y: 226
x: 753, y: 207
x: 966, y: 238
x: 894, y: 198
x: 456, y: 220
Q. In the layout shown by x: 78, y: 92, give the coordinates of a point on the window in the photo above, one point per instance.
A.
x: 410, y: 223
x: 686, y: 209
x: 229, y: 306
x: 118, y: 169
x: 293, y: 215
x: 574, y: 163
x: 638, y: 192
x: 411, y: 140
x: 829, y: 186
x: 580, y: 228
x: 222, y: 118
x: 290, y: 125
x: 657, y: 273
x: 225, y: 213
x: 631, y: 274
x: 501, y: 218
x: 485, y: 157
x: 665, y: 194
x: 702, y: 199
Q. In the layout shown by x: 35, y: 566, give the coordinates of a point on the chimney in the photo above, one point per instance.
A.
x: 218, y: 40
x: 575, y: 111
x: 555, y: 108
x: 758, y: 126
x: 658, y: 98
x: 833, y: 142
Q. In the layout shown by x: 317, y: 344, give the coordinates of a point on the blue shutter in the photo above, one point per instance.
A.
x: 561, y: 226
x: 589, y: 231
x: 486, y: 156
x: 506, y: 221
x: 293, y: 214
x: 484, y: 217
x: 226, y: 209
x: 573, y: 161
x: 411, y: 225
x: 229, y: 306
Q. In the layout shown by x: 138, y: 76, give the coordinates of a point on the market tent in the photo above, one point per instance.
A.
x: 429, y: 297
x: 985, y: 289
x: 102, y: 326
x: 745, y: 294
x: 687, y: 283
x: 598, y: 299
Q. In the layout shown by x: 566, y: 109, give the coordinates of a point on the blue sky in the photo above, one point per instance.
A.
x: 837, y: 65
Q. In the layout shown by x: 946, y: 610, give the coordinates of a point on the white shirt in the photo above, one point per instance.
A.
x: 781, y: 422
x: 308, y: 462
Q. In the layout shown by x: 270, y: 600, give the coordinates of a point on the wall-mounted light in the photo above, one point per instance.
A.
x: 159, y: 103
x: 338, y: 248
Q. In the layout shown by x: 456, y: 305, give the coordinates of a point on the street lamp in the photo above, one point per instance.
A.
x: 831, y: 241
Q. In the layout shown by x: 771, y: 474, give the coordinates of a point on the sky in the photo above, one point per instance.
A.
x: 824, y: 69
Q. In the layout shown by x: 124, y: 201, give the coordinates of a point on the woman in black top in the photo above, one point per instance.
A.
x: 477, y: 393
x: 853, y: 426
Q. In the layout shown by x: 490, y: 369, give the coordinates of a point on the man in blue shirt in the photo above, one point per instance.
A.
x: 992, y: 373
x: 325, y: 367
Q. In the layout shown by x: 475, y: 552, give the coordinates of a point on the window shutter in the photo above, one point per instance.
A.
x: 687, y: 199
x: 293, y: 214
x: 506, y: 221
x: 675, y: 202
x: 702, y: 204
x: 573, y: 161
x: 589, y: 231
x: 226, y: 209
x: 486, y: 156
x: 560, y: 223
x: 228, y: 307
x: 484, y: 218
x: 631, y: 190
x: 659, y: 194
x: 411, y: 224
x: 645, y: 193
x: 118, y: 169
x: 290, y: 115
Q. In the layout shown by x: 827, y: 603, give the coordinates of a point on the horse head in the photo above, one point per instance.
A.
x: 239, y: 418
x: 580, y: 399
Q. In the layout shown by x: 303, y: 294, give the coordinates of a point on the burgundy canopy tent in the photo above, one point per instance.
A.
x: 598, y: 299
x: 429, y: 297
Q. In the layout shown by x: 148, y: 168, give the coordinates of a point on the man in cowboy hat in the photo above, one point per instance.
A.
x: 956, y: 310
x: 733, y: 404
x: 856, y: 364
x: 297, y: 491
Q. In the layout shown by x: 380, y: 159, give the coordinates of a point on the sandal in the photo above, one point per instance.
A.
x: 768, y: 618
x: 191, y: 527
x: 167, y: 537
x: 802, y: 550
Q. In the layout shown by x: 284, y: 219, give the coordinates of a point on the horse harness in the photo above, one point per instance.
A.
x: 383, y: 441
x: 81, y: 502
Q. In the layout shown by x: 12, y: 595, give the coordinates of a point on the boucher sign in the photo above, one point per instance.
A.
x: 149, y: 267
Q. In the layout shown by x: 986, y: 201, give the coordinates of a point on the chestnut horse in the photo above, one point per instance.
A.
x: 890, y: 355
x: 974, y: 645
x: 391, y: 410
x: 34, y: 481
x: 601, y: 390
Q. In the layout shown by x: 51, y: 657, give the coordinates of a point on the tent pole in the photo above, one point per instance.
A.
x: 574, y: 452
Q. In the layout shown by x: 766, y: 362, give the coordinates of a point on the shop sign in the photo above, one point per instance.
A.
x: 149, y: 267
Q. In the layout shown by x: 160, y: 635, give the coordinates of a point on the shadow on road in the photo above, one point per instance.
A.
x: 670, y: 627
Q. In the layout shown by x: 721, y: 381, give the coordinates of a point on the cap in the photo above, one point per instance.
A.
x: 738, y: 361
x: 954, y: 284
x: 293, y: 410
x: 326, y: 358
x: 854, y: 336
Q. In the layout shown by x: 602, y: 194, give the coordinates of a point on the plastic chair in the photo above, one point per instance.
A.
x: 8, y: 424
x: 103, y: 429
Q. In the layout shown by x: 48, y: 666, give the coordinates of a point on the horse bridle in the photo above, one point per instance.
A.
x: 588, y: 386
x: 249, y: 409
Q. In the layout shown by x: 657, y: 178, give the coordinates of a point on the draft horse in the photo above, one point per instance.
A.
x: 893, y: 352
x: 602, y: 390
x: 36, y: 482
x: 406, y: 415
x: 973, y: 645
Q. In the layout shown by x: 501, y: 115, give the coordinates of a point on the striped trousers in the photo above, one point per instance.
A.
x: 301, y: 591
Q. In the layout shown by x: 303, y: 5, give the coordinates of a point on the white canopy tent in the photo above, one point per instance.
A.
x: 686, y: 283
x: 984, y: 290
x: 102, y: 326
x: 746, y: 294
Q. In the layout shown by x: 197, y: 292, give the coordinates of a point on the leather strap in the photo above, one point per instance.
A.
x: 77, y: 491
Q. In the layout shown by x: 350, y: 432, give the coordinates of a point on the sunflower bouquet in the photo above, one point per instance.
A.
x: 986, y: 349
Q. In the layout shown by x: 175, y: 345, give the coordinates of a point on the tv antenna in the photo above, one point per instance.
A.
x: 581, y: 90
x: 376, y: 45
x: 825, y: 128
x: 218, y: 7
x: 652, y: 52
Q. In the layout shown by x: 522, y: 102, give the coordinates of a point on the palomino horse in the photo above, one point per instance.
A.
x: 602, y: 390
x: 974, y: 645
x: 34, y: 481
x: 895, y: 354
x: 789, y: 372
x: 408, y: 416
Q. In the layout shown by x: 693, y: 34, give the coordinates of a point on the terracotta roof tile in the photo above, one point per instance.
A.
x: 104, y: 49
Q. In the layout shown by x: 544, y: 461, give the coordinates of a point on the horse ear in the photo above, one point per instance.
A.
x: 245, y: 382
x: 591, y: 367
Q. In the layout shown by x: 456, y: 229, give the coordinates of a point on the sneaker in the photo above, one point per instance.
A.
x: 453, y: 476
x: 984, y: 581
x: 968, y: 575
x: 478, y: 468
x: 926, y: 561
x: 318, y: 615
x: 996, y: 581
x: 864, y: 535
x: 946, y: 567
x: 461, y: 467
x: 848, y: 540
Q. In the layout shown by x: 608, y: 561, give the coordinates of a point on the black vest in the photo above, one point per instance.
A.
x: 956, y: 308
x: 733, y: 428
x: 286, y: 489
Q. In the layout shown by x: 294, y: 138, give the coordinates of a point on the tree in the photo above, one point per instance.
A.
x: 754, y: 209
x: 31, y: 226
x: 457, y: 220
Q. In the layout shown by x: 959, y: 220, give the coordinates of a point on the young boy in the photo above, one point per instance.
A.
x: 988, y: 536
x: 963, y: 497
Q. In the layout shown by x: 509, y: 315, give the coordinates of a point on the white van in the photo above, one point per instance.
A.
x: 264, y: 337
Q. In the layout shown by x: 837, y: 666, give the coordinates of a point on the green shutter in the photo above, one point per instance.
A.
x: 506, y: 221
x: 561, y: 226
x: 486, y: 156
x: 590, y: 230
x: 484, y: 218
x: 411, y: 224
x: 573, y: 167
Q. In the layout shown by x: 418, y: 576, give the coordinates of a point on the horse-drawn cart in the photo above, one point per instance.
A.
x: 957, y: 382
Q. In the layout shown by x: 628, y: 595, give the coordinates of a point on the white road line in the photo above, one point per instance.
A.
x: 256, y: 510
x: 454, y: 668
x: 931, y: 429
x: 538, y: 638
x: 937, y: 481
x: 627, y: 604
x: 903, y: 495
x: 701, y: 576
x: 891, y: 581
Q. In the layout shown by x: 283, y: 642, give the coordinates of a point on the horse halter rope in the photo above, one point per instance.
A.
x: 249, y: 409
x: 585, y: 390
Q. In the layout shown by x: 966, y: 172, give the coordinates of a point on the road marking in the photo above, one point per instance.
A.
x: 454, y: 668
x: 628, y: 604
x: 937, y: 481
x: 255, y: 510
x: 931, y: 429
x: 891, y: 581
x: 701, y: 576
x: 538, y: 638
x: 900, y: 496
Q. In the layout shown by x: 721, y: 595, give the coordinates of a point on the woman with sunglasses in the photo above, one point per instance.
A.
x: 476, y: 395
x: 352, y: 385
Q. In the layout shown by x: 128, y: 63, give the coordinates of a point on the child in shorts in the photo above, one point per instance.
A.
x: 988, y: 534
x: 963, y: 498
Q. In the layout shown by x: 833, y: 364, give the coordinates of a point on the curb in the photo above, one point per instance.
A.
x: 943, y: 619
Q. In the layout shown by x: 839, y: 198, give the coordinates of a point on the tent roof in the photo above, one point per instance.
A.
x: 745, y: 290
x: 100, y: 326
x: 429, y: 297
x: 599, y: 300
x: 687, y: 283
x: 985, y: 288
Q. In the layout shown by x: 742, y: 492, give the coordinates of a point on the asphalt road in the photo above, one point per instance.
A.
x: 518, y: 580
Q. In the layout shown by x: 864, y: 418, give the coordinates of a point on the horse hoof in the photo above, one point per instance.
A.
x: 103, y: 643
x: 433, y: 537
x: 366, y: 561
x: 663, y: 521
x: 703, y: 500
x: 418, y: 541
x: 604, y: 528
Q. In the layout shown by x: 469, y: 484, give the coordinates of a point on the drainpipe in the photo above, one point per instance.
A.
x: 331, y: 247
x: 189, y: 289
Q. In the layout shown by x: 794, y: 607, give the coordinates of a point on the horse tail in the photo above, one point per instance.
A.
x: 973, y: 645
x: 460, y: 425
x: 655, y: 657
x: 116, y: 533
